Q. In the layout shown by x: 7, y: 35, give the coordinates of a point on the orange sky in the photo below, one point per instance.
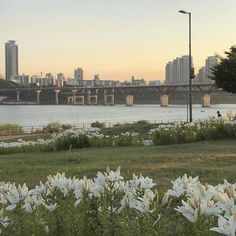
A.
x: 116, y: 39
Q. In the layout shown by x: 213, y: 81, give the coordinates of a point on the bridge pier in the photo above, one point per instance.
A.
x: 88, y: 97
x: 164, y: 100
x: 73, y: 97
x: 93, y: 99
x: 38, y: 96
x: 78, y: 100
x: 70, y: 100
x: 109, y: 100
x: 56, y: 96
x: 17, y: 96
x: 206, y: 100
x: 129, y: 100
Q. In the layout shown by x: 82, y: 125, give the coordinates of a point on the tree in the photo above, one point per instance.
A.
x: 224, y: 73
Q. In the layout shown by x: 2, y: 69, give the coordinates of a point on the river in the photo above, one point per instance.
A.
x: 37, y: 115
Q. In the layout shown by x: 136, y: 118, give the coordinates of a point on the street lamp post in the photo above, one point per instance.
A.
x: 190, y: 65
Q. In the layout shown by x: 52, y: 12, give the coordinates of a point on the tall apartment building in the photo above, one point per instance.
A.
x: 177, y: 71
x: 60, y: 81
x: 11, y: 60
x: 205, y: 72
x: 201, y: 76
x: 185, y: 70
x: 78, y: 76
x: 48, y: 80
x: 22, y: 79
x: 210, y: 63
x: 169, y: 73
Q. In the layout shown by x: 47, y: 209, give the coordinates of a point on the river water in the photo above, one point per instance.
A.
x: 37, y: 115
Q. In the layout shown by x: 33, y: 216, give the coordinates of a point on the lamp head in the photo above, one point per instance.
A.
x: 184, y: 12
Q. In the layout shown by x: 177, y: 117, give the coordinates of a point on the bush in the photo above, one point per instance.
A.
x: 193, y: 132
x: 66, y: 126
x: 10, y: 129
x: 142, y: 122
x: 54, y: 127
x: 98, y: 124
x: 70, y: 142
x: 165, y: 138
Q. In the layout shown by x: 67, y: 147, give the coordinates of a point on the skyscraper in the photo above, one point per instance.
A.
x: 205, y: 73
x: 11, y: 60
x: 185, y: 70
x: 78, y: 76
x: 211, y: 62
x: 169, y: 72
x: 60, y: 82
x: 177, y: 71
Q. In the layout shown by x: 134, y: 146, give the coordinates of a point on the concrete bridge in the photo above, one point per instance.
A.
x: 89, y: 96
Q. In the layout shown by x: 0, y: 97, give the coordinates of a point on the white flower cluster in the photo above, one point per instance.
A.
x: 181, y: 125
x: 90, y: 133
x: 20, y: 143
x: 207, y: 200
x: 126, y: 134
x: 135, y: 193
x: 198, y: 201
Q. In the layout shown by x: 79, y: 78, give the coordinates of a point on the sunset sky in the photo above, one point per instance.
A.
x: 115, y: 38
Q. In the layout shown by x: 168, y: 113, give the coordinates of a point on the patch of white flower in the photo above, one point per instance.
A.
x: 200, y: 200
x: 135, y: 194
x: 91, y: 133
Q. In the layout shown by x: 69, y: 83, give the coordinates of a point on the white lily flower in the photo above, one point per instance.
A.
x: 226, y: 227
x: 51, y: 207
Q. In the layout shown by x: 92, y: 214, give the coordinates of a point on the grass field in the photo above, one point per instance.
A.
x: 213, y: 161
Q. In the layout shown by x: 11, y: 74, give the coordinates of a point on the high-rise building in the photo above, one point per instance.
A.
x: 185, y: 70
x: 48, y: 80
x: 211, y: 62
x: 201, y: 76
x: 60, y: 82
x: 22, y: 79
x: 169, y: 73
x: 11, y: 60
x: 177, y: 71
x: 78, y: 76
x: 205, y: 72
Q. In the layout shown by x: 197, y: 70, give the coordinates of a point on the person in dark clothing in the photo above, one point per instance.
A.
x: 218, y: 114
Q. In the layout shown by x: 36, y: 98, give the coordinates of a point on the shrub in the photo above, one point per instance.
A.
x: 193, y: 132
x: 10, y: 129
x: 54, y: 127
x: 98, y: 124
x: 142, y: 122
x: 165, y: 138
x: 70, y: 142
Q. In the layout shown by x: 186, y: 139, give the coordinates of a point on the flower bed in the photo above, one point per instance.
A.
x: 71, y: 139
x: 110, y: 205
x: 212, y: 129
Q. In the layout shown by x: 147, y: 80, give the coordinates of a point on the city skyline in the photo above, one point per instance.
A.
x: 117, y: 41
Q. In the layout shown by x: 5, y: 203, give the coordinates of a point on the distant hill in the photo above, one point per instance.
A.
x: 5, y: 84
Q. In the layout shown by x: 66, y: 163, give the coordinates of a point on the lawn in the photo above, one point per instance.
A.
x: 213, y: 161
